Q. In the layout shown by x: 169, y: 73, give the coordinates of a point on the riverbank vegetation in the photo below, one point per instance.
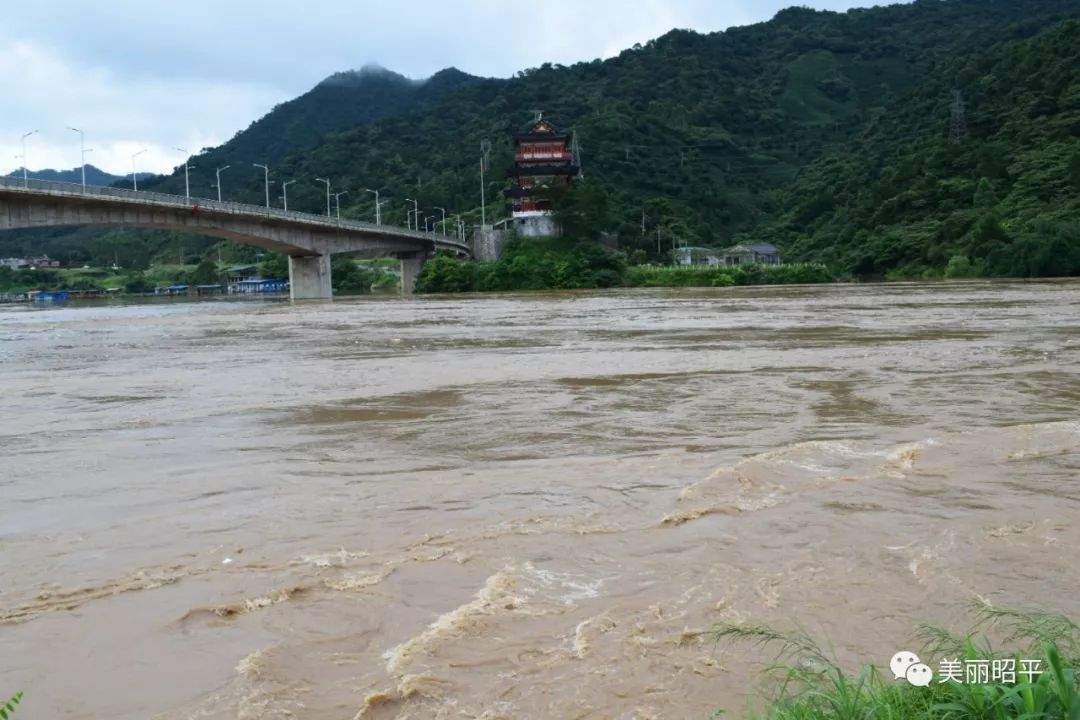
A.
x: 566, y: 264
x: 7, y: 710
x: 350, y: 276
x: 809, y: 685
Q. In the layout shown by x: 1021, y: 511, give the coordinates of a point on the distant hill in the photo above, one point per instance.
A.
x: 340, y: 102
x: 94, y: 176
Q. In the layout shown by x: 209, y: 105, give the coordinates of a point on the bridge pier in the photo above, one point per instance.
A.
x: 309, y: 277
x: 410, y: 270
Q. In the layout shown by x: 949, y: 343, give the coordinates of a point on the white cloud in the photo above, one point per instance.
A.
x: 119, y: 116
x: 157, y: 75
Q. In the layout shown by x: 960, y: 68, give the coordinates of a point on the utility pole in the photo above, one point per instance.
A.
x: 25, y: 177
x: 134, y: 174
x: 218, y: 173
x: 485, y: 151
x: 958, y: 130
x: 575, y: 148
x: 187, y: 180
x: 337, y: 201
x: 285, y: 194
x: 82, y: 153
x: 324, y: 180
x: 266, y: 182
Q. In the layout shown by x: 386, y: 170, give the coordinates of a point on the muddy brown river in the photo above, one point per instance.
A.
x: 520, y: 506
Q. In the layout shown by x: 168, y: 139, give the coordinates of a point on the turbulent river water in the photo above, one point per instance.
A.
x: 520, y: 506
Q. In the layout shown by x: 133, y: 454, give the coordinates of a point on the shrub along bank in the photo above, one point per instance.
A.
x: 563, y: 263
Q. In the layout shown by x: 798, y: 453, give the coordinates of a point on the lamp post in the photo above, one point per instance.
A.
x: 82, y: 153
x: 408, y: 217
x: 337, y: 202
x: 187, y: 177
x: 324, y: 180
x: 378, y: 216
x: 285, y: 193
x: 25, y: 177
x: 416, y: 212
x: 266, y: 181
x: 134, y: 172
x: 443, y: 211
x: 427, y: 223
x: 218, y: 174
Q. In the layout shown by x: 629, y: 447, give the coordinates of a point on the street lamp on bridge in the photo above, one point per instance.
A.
x: 416, y: 213
x: 187, y: 178
x: 443, y: 211
x: 324, y: 180
x: 25, y: 178
x: 266, y: 181
x: 378, y: 205
x: 337, y: 202
x: 285, y: 193
x: 218, y: 174
x: 134, y: 172
x: 82, y: 153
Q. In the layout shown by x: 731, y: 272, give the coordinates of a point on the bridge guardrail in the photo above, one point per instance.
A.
x: 222, y: 206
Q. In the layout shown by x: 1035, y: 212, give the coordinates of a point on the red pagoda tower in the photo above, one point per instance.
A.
x: 544, y: 158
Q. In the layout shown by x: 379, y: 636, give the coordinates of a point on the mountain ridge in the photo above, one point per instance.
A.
x: 94, y: 175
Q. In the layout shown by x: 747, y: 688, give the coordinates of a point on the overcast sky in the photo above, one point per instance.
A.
x: 140, y: 75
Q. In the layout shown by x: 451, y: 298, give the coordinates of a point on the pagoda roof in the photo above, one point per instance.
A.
x: 541, y: 130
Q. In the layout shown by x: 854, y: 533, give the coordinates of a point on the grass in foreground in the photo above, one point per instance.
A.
x: 8, y: 708
x: 810, y: 686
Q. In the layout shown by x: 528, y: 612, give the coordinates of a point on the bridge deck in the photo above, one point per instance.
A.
x: 153, y: 200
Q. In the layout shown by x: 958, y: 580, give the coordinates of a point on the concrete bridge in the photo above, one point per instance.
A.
x: 309, y: 240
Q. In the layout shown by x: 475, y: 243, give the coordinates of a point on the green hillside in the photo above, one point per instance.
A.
x: 340, y: 102
x: 1002, y: 197
x: 827, y: 133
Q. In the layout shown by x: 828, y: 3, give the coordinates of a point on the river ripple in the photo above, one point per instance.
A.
x: 520, y: 506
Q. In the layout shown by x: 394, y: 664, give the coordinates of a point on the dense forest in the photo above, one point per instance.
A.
x: 940, y: 137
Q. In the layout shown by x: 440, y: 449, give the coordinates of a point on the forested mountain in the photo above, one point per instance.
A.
x: 94, y: 176
x: 340, y: 102
x: 839, y: 136
x: 998, y: 193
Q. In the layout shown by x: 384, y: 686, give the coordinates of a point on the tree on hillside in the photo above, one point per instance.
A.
x: 205, y: 273
x: 582, y: 209
x: 275, y: 267
x: 985, y: 197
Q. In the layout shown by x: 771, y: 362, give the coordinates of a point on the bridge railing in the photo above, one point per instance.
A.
x: 194, y: 203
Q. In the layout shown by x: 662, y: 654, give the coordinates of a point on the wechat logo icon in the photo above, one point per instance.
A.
x: 906, y: 665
